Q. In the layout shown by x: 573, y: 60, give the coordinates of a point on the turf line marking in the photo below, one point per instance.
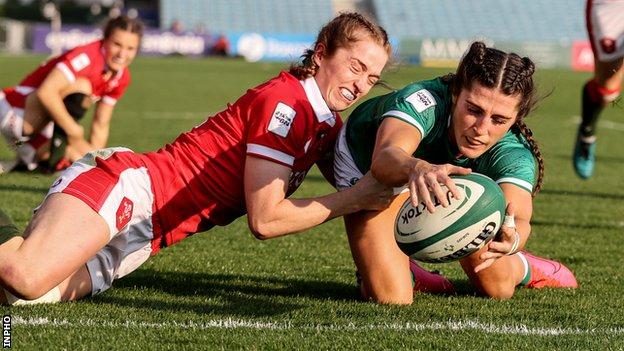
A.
x: 603, y: 123
x: 488, y: 328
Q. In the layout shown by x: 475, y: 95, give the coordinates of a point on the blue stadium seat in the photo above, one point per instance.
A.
x: 268, y: 16
x: 508, y: 20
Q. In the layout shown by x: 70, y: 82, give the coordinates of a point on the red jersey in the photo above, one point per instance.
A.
x: 198, y: 179
x: 86, y: 61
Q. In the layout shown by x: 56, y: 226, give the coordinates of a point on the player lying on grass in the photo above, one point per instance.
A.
x: 606, y: 34
x: 107, y: 213
x: 419, y: 135
x: 50, y: 101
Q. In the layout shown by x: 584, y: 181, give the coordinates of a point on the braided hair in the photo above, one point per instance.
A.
x: 512, y: 75
x: 341, y: 32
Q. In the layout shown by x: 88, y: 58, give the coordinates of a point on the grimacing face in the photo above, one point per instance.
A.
x: 120, y: 48
x: 349, y: 73
x: 481, y: 116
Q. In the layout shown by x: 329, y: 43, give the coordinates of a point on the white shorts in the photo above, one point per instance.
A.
x: 346, y: 172
x: 120, y: 191
x: 605, y: 25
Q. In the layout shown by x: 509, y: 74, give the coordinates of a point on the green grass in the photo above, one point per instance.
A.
x: 225, y: 290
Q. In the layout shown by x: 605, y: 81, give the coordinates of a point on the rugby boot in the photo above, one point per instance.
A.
x: 548, y: 273
x: 430, y: 282
x: 584, y: 157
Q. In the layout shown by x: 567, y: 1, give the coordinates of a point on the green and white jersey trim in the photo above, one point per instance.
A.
x: 519, y: 182
x: 405, y: 118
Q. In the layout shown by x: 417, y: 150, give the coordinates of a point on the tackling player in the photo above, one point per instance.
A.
x: 605, y: 25
x: 419, y: 135
x: 50, y: 101
x: 107, y: 213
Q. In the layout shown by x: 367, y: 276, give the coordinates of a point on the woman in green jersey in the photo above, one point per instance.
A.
x: 472, y: 120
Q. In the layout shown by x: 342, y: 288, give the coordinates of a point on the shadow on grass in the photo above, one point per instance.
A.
x: 590, y: 194
x: 231, y: 294
x: 599, y: 158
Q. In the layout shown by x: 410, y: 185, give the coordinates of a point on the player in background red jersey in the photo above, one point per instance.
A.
x: 605, y: 26
x: 106, y: 214
x: 50, y: 101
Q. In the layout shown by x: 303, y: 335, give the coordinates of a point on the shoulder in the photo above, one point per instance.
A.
x: 512, y: 151
x: 425, y: 94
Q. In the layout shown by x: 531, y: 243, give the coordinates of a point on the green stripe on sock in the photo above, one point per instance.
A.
x: 527, y: 277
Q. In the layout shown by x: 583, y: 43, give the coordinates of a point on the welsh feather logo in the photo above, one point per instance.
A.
x: 124, y: 213
x: 282, y: 119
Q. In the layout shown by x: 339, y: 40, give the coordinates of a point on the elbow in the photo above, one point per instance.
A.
x: 377, y: 170
x: 260, y: 229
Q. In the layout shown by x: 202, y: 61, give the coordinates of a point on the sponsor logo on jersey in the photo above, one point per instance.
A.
x: 421, y: 100
x: 57, y: 182
x: 296, y: 178
x: 282, y: 119
x: 124, y: 213
x: 79, y: 62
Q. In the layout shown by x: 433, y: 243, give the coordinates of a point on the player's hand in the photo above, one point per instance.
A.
x: 506, y: 242
x: 425, y: 178
x: 373, y: 195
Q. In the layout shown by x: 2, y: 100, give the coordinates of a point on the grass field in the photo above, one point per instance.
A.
x: 226, y: 290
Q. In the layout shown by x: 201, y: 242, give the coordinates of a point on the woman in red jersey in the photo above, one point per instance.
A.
x: 107, y: 213
x: 60, y: 91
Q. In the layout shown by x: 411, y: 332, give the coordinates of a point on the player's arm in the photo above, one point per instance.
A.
x: 520, y: 207
x: 49, y: 94
x: 100, y: 128
x: 270, y: 214
x: 393, y: 164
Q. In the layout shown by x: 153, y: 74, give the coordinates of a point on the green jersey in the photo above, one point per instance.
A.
x: 426, y: 105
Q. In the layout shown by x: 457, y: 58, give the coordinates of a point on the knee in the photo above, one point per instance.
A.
x: 387, y: 295
x: 21, y: 283
x: 497, y: 290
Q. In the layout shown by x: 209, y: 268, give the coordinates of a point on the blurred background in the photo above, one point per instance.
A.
x: 431, y: 33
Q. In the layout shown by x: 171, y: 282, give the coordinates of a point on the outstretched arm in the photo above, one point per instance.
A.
x: 271, y: 214
x: 393, y: 164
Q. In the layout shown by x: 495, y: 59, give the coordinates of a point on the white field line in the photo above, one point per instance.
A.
x: 602, y: 123
x: 488, y: 328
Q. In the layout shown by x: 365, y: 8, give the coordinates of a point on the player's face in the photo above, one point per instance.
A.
x: 481, y: 116
x: 350, y: 73
x: 120, y: 49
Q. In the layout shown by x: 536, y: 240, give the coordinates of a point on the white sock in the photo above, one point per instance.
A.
x: 526, y: 266
x: 51, y: 296
x: 11, y: 127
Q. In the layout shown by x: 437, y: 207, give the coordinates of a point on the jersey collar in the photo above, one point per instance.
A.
x: 321, y: 110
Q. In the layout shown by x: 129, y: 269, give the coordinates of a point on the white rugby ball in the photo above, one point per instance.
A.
x: 456, y: 231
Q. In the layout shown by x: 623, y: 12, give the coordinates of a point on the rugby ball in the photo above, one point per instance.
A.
x: 456, y: 231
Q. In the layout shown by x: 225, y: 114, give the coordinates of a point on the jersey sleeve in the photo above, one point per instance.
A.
x: 416, y: 108
x: 511, y: 162
x: 78, y: 62
x: 276, y: 129
x: 114, y: 95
